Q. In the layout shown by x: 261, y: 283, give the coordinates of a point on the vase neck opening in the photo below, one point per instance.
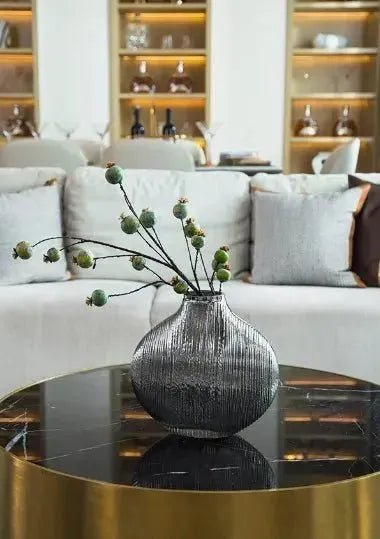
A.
x: 205, y: 297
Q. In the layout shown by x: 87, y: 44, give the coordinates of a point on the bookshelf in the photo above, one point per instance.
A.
x: 329, y: 79
x: 18, y: 61
x: 188, y: 26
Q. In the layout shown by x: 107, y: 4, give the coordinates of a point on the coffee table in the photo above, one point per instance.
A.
x: 79, y: 458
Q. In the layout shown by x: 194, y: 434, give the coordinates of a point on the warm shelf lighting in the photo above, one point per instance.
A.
x: 169, y: 101
x: 326, y: 103
x: 333, y: 16
x: 169, y: 60
x: 16, y: 59
x: 336, y: 59
x: 15, y: 15
x: 175, y: 18
x: 8, y: 100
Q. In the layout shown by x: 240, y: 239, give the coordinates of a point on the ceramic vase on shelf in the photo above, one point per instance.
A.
x: 204, y: 372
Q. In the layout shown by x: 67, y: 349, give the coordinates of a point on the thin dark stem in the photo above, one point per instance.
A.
x: 157, y: 238
x: 136, y: 290
x: 151, y: 246
x: 129, y: 251
x: 205, y: 270
x: 157, y: 243
x: 157, y: 275
x: 190, y: 257
x: 220, y: 288
x: 70, y: 246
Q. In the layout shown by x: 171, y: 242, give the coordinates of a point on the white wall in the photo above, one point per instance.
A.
x: 247, y: 69
x: 248, y: 60
x: 73, y: 63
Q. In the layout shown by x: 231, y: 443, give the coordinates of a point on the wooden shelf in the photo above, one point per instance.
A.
x: 333, y: 141
x: 343, y: 96
x: 7, y: 52
x: 343, y: 6
x: 152, y: 97
x: 162, y: 7
x: 163, y: 52
x: 16, y: 96
x: 15, y: 6
x: 349, y: 51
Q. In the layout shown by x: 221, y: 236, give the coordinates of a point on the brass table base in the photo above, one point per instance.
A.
x: 36, y: 503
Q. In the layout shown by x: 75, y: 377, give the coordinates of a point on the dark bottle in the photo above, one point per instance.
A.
x: 307, y: 127
x: 345, y: 126
x: 169, y: 130
x: 137, y: 129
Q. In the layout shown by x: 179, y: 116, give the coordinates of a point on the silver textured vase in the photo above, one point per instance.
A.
x: 204, y: 372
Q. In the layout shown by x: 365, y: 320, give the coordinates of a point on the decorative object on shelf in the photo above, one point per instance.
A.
x: 307, y: 127
x: 186, y: 42
x: 143, y: 83
x: 153, y: 124
x: 330, y: 41
x: 5, y: 35
x: 137, y: 35
x: 209, y: 132
x: 169, y: 130
x: 208, y: 465
x: 345, y: 126
x: 167, y: 42
x: 186, y: 131
x: 180, y: 82
x: 203, y: 372
x: 17, y: 126
x: 137, y: 129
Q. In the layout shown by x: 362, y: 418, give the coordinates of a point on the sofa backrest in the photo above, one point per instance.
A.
x: 219, y: 201
x: 13, y: 180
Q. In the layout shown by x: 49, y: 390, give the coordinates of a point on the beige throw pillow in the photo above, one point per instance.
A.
x: 306, y: 239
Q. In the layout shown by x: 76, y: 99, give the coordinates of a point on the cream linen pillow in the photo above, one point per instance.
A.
x: 306, y: 239
x: 31, y: 215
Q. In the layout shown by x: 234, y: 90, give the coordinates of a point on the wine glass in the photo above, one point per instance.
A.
x: 102, y: 129
x: 67, y: 128
x: 209, y: 132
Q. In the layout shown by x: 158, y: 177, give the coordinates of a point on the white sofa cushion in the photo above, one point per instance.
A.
x: 220, y: 202
x: 306, y: 239
x: 32, y: 215
x: 47, y: 330
x: 13, y: 180
x: 343, y: 160
x: 332, y: 329
x: 308, y: 184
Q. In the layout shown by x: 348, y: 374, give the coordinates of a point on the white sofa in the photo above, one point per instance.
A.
x: 47, y: 330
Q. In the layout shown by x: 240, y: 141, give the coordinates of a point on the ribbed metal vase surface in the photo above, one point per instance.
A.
x: 204, y: 372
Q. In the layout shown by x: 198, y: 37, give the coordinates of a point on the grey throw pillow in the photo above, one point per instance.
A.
x: 306, y: 239
x: 31, y: 216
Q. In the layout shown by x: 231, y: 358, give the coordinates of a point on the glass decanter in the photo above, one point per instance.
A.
x: 180, y: 82
x: 17, y: 126
x: 137, y: 34
x: 345, y: 126
x: 307, y: 127
x: 143, y: 83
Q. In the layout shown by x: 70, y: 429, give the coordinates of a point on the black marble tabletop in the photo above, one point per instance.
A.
x: 321, y: 428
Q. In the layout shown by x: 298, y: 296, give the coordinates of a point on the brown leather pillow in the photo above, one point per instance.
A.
x: 366, y: 255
